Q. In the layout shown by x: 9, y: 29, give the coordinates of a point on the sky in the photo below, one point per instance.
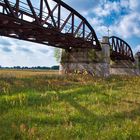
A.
x: 122, y: 17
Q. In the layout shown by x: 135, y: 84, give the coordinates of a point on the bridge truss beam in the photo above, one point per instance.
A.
x: 46, y: 24
x: 120, y: 50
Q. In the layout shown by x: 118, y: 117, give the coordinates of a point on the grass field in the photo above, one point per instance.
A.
x: 39, y: 105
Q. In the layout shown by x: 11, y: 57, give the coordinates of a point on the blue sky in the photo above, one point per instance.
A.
x: 121, y: 16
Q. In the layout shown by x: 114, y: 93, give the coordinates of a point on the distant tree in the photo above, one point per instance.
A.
x: 55, y: 67
x: 17, y: 67
x: 26, y: 68
x: 57, y: 54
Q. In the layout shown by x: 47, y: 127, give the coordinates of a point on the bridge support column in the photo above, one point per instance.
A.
x: 106, y: 55
x: 137, y: 62
x: 85, y: 60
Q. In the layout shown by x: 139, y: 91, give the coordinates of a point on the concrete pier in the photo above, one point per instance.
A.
x: 96, y: 63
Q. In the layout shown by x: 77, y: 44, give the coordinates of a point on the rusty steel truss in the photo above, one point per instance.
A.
x: 56, y: 24
x: 46, y: 24
x: 120, y: 50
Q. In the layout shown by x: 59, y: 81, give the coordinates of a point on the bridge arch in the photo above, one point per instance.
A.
x: 120, y: 50
x: 23, y: 21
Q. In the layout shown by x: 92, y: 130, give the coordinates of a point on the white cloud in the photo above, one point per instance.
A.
x: 134, y: 4
x: 130, y: 4
x: 127, y: 26
x: 26, y: 54
x: 106, y: 9
x: 124, y: 3
x: 100, y: 28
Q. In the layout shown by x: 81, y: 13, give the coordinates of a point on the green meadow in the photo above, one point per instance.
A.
x: 39, y: 105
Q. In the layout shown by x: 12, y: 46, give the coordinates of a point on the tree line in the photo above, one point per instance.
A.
x: 36, y: 67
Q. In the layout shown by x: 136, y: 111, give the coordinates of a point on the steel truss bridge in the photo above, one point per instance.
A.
x: 53, y: 22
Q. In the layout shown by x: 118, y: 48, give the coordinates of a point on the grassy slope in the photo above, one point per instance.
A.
x: 56, y: 107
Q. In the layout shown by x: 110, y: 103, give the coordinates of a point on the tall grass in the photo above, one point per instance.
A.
x: 44, y: 107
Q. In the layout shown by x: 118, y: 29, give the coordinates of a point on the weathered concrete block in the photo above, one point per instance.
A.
x: 97, y: 63
x: 124, y: 71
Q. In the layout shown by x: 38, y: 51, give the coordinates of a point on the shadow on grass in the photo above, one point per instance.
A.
x: 86, y: 115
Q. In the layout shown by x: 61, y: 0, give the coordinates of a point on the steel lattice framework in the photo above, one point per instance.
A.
x: 46, y: 24
x: 120, y: 50
x: 54, y: 23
